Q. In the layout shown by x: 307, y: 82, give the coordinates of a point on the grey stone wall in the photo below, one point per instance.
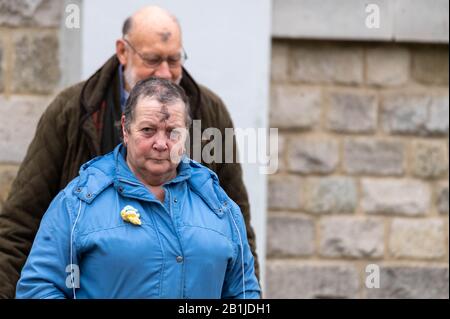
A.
x: 363, y: 177
x: 29, y: 76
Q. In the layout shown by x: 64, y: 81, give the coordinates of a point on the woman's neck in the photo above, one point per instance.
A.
x: 158, y: 192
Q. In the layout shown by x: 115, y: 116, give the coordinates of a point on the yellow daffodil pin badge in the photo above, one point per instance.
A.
x: 131, y: 215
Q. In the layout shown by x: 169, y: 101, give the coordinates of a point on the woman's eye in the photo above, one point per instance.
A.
x: 148, y: 130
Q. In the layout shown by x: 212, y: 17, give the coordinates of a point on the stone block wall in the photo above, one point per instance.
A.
x: 363, y: 174
x: 29, y: 76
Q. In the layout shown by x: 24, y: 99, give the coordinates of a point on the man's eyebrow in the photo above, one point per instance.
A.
x: 149, y: 55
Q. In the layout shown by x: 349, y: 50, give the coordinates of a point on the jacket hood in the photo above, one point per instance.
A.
x: 111, y: 170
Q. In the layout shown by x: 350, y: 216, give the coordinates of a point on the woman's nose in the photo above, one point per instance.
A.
x: 160, y: 143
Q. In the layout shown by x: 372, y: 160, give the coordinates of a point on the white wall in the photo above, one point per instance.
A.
x: 399, y: 20
x: 228, y: 44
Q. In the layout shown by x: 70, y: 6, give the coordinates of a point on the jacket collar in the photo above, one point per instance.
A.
x: 127, y: 184
x: 205, y: 183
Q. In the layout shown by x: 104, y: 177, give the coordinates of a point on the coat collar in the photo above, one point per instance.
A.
x: 112, y: 169
x: 123, y: 174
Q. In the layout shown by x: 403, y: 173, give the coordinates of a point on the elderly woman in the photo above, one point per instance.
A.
x: 143, y: 221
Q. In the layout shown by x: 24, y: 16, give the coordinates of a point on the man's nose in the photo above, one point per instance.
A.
x: 163, y: 71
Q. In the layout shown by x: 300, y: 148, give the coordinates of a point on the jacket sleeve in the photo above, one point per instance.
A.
x: 231, y: 180
x: 240, y: 279
x: 44, y: 274
x: 36, y: 184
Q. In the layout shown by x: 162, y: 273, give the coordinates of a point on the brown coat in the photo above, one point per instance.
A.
x: 69, y: 134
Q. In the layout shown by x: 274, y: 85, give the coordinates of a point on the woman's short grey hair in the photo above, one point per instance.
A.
x: 164, y: 91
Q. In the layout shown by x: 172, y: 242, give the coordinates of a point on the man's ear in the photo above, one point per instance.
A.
x: 121, y: 51
x: 124, y: 130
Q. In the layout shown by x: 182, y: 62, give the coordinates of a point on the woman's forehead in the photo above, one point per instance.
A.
x: 154, y: 111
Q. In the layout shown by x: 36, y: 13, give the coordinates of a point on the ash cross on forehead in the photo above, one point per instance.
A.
x: 164, y: 113
x: 165, y: 36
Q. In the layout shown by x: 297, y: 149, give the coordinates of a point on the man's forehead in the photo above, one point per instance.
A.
x: 154, y: 18
x: 152, y: 25
x: 164, y: 37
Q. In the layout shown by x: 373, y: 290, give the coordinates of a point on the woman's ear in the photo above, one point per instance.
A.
x: 124, y: 130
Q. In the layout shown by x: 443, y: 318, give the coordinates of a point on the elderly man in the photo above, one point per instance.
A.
x: 138, y: 223
x: 80, y: 124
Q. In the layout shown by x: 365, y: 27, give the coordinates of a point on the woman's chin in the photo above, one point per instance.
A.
x: 158, y: 167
